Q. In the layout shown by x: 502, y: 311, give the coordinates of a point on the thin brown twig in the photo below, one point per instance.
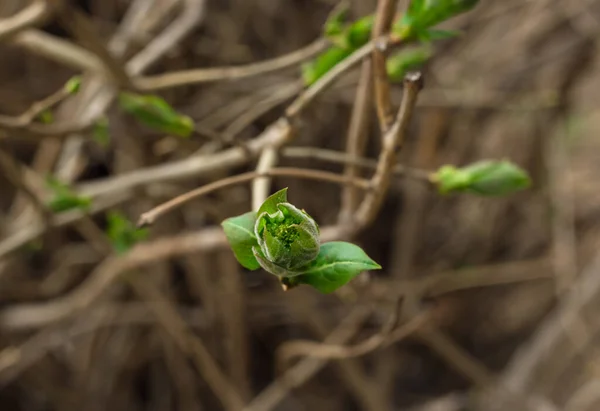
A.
x: 382, y: 339
x: 357, y: 136
x: 271, y: 396
x: 340, y: 157
x: 189, y: 344
x: 31, y: 15
x: 12, y: 171
x: 83, y: 28
x: 150, y: 217
x: 392, y: 140
x: 197, y: 76
x: 383, y: 20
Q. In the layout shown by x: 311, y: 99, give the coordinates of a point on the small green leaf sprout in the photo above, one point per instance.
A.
x: 284, y: 241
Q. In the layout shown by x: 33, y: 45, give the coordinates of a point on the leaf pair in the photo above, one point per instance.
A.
x: 284, y: 241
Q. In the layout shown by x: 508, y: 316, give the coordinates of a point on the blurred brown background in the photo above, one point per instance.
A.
x: 512, y: 285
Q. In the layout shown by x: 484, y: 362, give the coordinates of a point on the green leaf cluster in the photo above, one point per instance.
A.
x: 345, y: 37
x: 156, y: 113
x: 284, y: 241
x: 64, y: 198
x: 415, y: 24
x: 123, y: 233
x: 486, y: 178
x: 424, y: 14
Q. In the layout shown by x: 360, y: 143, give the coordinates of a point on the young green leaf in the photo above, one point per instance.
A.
x: 73, y: 85
x: 335, y: 22
x: 156, y: 113
x: 270, y: 204
x: 486, y: 178
x: 314, y: 70
x: 423, y: 14
x: 123, y: 234
x: 399, y: 64
x: 337, y: 263
x: 359, y: 32
x: 65, y: 199
x: 240, y: 235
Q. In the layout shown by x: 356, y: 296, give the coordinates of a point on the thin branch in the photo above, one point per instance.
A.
x: 34, y: 230
x: 188, y: 343
x: 83, y: 28
x: 334, y: 156
x: 271, y: 396
x: 455, y: 356
x: 12, y: 171
x: 261, y: 185
x: 197, y: 76
x: 357, y: 136
x: 328, y: 79
x: 30, y: 16
x: 151, y: 216
x: 392, y: 140
x: 383, y: 20
x: 331, y: 351
x: 59, y: 50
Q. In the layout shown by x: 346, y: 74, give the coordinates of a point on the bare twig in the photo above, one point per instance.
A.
x: 357, y: 136
x: 150, y: 217
x: 334, y: 156
x: 30, y: 16
x: 330, y: 351
x: 196, y: 76
x: 189, y: 344
x: 261, y: 185
x: 271, y: 396
x: 83, y: 28
x: 62, y: 51
x: 393, y: 139
x: 383, y: 20
x: 34, y: 230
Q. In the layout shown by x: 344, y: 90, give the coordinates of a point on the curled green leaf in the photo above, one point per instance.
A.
x: 486, y: 178
x: 240, y: 235
x: 287, y: 237
x: 156, y: 113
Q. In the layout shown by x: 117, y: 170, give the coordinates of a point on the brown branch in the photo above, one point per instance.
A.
x: 59, y: 50
x: 30, y: 16
x: 271, y: 396
x: 150, y: 217
x: 83, y: 28
x: 339, y: 157
x: 198, y: 76
x: 382, y: 339
x: 356, y: 138
x: 392, y: 140
x: 188, y: 343
x: 383, y: 20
